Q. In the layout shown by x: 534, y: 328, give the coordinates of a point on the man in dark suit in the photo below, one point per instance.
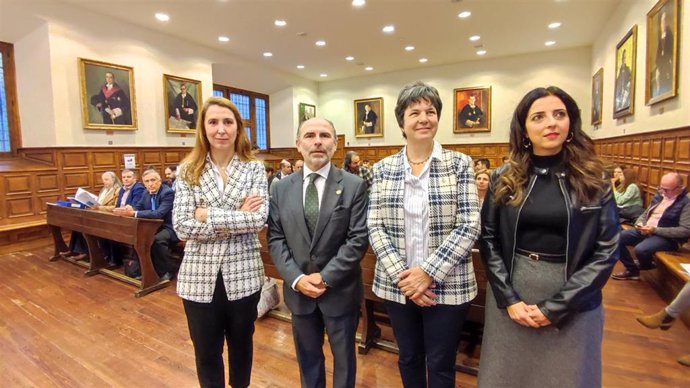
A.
x: 317, y: 237
x: 156, y: 203
x: 369, y: 119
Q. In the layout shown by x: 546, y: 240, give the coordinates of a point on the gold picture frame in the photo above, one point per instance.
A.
x: 661, y: 71
x: 624, y: 80
x: 472, y: 109
x: 107, y: 95
x: 306, y: 112
x: 181, y: 107
x: 597, y: 96
x: 368, y: 117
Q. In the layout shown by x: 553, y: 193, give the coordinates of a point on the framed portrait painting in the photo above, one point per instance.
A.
x: 107, y: 95
x: 597, y: 97
x: 624, y: 89
x: 306, y: 112
x: 369, y: 117
x: 182, y: 98
x: 661, y: 73
x: 472, y: 110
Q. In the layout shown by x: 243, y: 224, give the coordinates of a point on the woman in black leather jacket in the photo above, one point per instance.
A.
x: 549, y: 242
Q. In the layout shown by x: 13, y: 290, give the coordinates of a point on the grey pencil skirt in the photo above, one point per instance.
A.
x: 520, y: 357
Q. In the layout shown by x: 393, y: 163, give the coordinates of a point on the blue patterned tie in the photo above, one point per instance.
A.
x: 153, y: 202
x: 311, y: 204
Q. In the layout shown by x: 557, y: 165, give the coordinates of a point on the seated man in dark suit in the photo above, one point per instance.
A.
x: 156, y: 203
x: 130, y: 193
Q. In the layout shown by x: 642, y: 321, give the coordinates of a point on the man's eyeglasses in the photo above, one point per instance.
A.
x: 663, y: 190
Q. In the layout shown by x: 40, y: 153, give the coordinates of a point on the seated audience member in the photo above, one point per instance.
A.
x: 106, y: 197
x: 352, y: 165
x: 665, y: 318
x: 506, y: 160
x: 627, y: 194
x: 156, y: 203
x: 270, y: 174
x: 481, y: 165
x: 170, y: 176
x: 482, y: 179
x: 130, y: 193
x: 298, y: 165
x: 664, y: 226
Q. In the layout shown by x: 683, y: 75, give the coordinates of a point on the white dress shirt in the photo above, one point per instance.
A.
x: 320, y: 183
x: 416, y: 203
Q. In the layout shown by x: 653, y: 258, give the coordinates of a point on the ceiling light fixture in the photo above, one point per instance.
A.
x: 223, y: 39
x: 368, y: 68
x: 320, y: 43
x: 423, y: 60
x: 163, y: 17
x: 475, y: 38
x: 481, y: 52
x: 409, y: 48
x: 280, y: 23
x: 464, y: 14
x: 358, y: 3
x: 389, y: 29
x: 554, y: 25
x: 268, y: 54
x: 549, y: 43
x: 323, y: 75
x: 300, y: 67
x: 350, y: 58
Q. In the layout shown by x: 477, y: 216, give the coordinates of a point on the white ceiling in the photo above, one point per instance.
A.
x: 506, y: 27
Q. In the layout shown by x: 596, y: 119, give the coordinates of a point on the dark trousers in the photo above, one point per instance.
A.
x: 160, y: 251
x: 645, y: 247
x: 428, y: 339
x: 209, y: 324
x: 307, y: 332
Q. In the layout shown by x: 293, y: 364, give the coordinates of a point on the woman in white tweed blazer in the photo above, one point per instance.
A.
x: 423, y: 222
x: 220, y: 204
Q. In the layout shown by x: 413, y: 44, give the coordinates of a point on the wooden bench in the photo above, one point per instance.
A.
x: 670, y: 277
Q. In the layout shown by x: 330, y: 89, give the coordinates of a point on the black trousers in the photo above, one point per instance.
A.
x: 428, y: 339
x: 211, y: 323
x: 160, y: 253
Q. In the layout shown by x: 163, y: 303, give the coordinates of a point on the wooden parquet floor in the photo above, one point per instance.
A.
x: 61, y: 329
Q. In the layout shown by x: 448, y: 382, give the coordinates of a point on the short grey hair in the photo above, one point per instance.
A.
x: 151, y: 171
x: 330, y: 123
x: 416, y: 92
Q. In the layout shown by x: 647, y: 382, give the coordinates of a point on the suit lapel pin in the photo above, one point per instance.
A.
x: 339, y: 191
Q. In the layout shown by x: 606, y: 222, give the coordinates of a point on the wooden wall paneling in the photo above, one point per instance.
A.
x: 20, y: 207
x: 655, y: 150
x: 682, y: 156
x: 47, y: 182
x: 106, y: 160
x: 629, y: 146
x: 151, y: 157
x: 669, y: 151
x: 41, y: 202
x: 73, y: 180
x: 41, y: 155
x: 645, y: 149
x: 70, y: 160
x: 18, y: 185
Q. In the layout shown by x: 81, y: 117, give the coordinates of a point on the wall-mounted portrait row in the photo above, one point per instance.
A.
x: 108, y: 98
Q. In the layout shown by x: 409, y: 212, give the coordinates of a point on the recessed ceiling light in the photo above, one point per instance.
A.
x: 358, y: 3
x: 554, y: 25
x: 268, y: 54
x: 549, y: 43
x: 350, y: 58
x: 323, y: 75
x: 163, y: 17
x: 368, y: 68
x: 475, y: 38
x: 320, y: 43
x: 223, y: 39
x: 300, y: 66
x: 423, y: 60
x: 409, y: 48
x: 464, y: 14
x: 481, y: 52
x: 388, y: 29
x: 280, y: 23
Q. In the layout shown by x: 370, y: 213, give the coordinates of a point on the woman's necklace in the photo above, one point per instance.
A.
x: 417, y: 163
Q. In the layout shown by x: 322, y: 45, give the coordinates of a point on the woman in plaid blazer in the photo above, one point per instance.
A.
x: 220, y: 205
x: 423, y: 222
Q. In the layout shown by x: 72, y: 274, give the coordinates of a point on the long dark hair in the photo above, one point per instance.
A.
x: 585, y: 169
